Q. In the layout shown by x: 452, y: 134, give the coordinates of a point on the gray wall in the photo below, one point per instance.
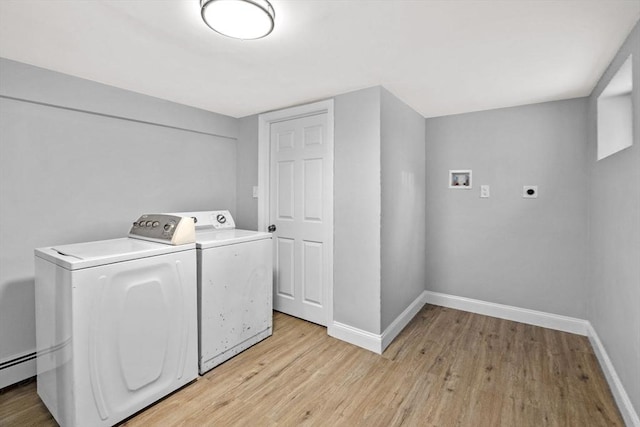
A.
x: 528, y: 253
x: 247, y: 173
x: 357, y: 205
x: 379, y: 205
x: 403, y: 206
x: 79, y: 161
x: 614, y: 291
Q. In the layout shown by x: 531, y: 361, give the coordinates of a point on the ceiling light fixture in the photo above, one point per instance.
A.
x: 240, y: 19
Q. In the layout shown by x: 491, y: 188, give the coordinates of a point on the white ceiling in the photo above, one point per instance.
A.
x: 440, y: 57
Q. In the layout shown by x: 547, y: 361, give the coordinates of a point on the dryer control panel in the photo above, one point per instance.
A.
x: 221, y: 219
x: 205, y: 220
x: 164, y: 228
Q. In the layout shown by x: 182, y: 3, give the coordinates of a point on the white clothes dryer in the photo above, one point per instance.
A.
x: 116, y: 322
x: 235, y: 282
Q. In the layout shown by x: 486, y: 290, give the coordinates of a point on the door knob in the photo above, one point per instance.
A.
x: 271, y: 228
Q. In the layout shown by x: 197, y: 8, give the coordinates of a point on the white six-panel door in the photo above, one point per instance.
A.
x: 300, y: 186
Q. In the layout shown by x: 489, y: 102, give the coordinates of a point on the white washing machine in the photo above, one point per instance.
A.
x: 235, y: 281
x: 116, y: 321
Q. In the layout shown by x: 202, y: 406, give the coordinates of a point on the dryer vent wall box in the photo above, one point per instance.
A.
x: 235, y: 287
x: 116, y: 326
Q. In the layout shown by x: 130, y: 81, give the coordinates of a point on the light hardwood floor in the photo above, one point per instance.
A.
x: 447, y: 368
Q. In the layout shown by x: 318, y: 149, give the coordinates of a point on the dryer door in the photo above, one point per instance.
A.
x: 139, y: 331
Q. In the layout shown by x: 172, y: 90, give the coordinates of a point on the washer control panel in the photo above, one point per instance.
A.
x: 164, y: 228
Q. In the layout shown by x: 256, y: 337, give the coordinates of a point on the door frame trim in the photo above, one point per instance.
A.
x: 264, y: 153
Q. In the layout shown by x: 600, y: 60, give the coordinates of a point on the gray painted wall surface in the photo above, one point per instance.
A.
x: 70, y: 176
x: 403, y: 206
x: 370, y: 125
x: 50, y: 87
x: 528, y: 253
x: 614, y: 292
x: 247, y: 173
x: 357, y: 204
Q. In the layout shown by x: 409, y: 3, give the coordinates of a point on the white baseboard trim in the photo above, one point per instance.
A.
x: 376, y: 343
x: 620, y: 395
x: 394, y: 329
x: 501, y: 311
x: 355, y: 336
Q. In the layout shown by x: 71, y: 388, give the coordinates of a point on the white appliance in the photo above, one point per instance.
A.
x: 235, y: 281
x: 116, y: 321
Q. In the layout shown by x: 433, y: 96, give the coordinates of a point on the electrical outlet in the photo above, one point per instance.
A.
x: 530, y: 191
x: 485, y: 191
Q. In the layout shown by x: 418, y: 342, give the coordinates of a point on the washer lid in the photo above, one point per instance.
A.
x: 92, y: 254
x: 215, y: 238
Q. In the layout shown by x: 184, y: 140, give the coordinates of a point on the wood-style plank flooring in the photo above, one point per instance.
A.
x: 447, y: 368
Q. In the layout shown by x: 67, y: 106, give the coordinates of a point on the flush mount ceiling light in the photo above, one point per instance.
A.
x: 240, y: 19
